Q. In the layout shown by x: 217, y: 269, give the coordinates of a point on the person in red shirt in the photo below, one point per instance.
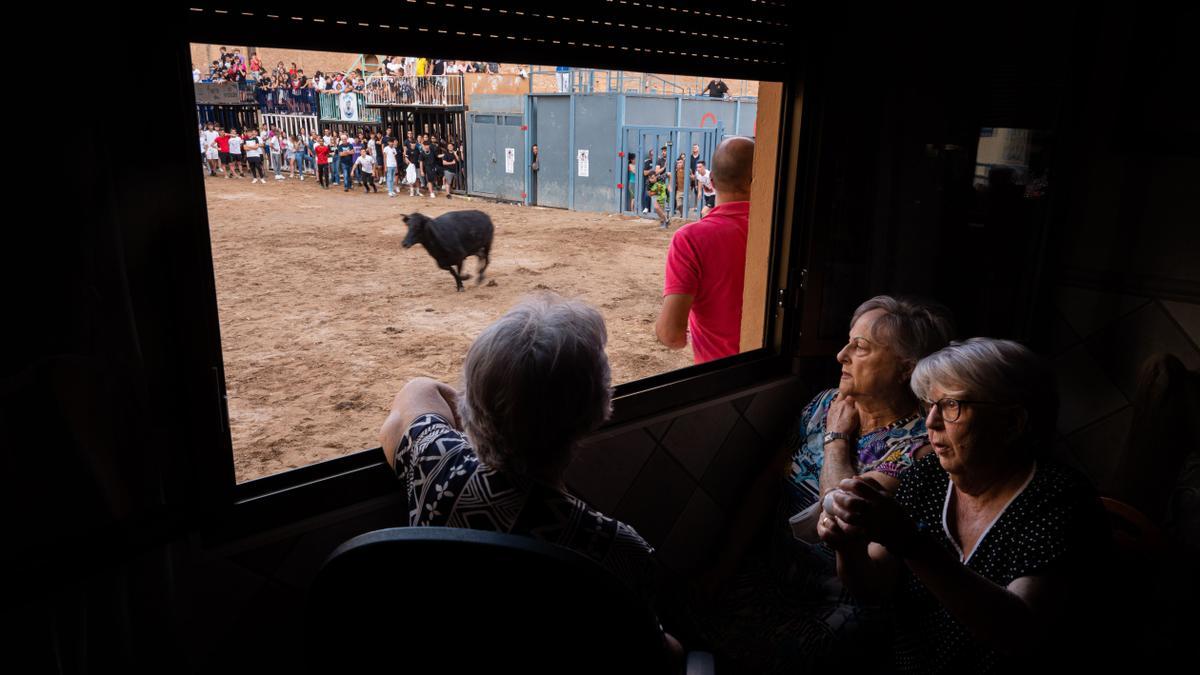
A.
x: 223, y: 152
x: 706, y: 264
x: 322, y: 152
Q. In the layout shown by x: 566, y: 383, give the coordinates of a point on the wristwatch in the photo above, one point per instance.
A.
x: 831, y: 436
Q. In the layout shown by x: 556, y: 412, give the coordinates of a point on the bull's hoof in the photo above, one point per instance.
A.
x: 459, y: 289
x: 465, y: 277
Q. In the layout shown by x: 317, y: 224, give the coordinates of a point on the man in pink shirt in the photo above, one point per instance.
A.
x: 706, y: 264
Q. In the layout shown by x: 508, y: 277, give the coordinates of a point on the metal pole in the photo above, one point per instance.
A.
x: 528, y: 106
x: 623, y: 156
x: 571, y: 153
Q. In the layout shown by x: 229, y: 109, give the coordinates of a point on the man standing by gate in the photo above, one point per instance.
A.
x: 345, y: 154
x: 706, y: 264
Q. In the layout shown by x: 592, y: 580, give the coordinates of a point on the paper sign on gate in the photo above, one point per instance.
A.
x: 583, y: 163
x: 510, y: 158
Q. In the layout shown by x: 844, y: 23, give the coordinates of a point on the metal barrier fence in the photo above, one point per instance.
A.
x: 293, y: 125
x: 592, y: 81
x: 438, y: 90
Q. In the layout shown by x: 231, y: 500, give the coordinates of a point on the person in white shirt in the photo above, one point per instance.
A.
x: 707, y: 192
x: 254, y: 153
x: 275, y: 147
x: 235, y: 153
x: 195, y: 74
x: 389, y: 161
x: 366, y: 171
x: 290, y: 156
x: 373, y: 153
x: 208, y: 143
x: 204, y: 144
x: 410, y: 175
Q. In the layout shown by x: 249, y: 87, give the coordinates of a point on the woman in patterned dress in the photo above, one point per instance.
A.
x: 773, y: 602
x: 492, y: 456
x: 986, y: 543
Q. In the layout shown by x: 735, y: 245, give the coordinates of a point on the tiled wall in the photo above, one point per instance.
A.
x: 1101, y: 342
x: 675, y: 478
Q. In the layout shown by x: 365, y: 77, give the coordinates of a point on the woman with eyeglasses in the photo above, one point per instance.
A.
x: 980, y: 545
x: 774, y: 603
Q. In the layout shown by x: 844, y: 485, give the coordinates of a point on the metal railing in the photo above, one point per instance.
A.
x: 582, y: 80
x: 301, y: 126
x: 432, y: 90
x: 589, y: 81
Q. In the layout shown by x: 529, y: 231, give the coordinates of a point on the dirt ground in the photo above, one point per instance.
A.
x: 324, y: 316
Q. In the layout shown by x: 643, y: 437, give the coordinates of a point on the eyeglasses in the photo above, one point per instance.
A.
x: 950, y: 408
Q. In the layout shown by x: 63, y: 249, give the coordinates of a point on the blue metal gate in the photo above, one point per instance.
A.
x: 496, y: 157
x: 642, y: 143
x: 552, y: 128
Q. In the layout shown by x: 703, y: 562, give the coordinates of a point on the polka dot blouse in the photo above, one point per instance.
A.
x: 1055, y: 521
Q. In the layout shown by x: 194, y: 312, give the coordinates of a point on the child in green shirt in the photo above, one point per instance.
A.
x: 658, y: 191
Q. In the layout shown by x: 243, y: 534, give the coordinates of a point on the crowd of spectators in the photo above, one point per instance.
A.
x: 286, y: 88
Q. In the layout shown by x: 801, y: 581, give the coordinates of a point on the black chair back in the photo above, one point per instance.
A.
x: 451, y: 600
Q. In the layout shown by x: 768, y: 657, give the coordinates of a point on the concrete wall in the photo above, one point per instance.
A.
x: 650, y: 110
x: 510, y: 103
x: 485, y: 84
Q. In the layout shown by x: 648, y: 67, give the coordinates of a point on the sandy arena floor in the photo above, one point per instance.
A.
x: 324, y: 316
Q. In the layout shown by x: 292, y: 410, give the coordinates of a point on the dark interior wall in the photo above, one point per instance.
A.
x: 1126, y: 284
x: 905, y: 99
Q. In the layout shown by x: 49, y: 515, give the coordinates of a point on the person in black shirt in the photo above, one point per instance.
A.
x: 449, y: 162
x: 461, y: 174
x: 345, y: 153
x: 716, y: 88
x: 535, y: 165
x: 427, y: 168
x: 662, y: 166
x: 647, y: 172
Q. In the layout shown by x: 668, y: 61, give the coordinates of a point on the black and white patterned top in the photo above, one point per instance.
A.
x: 448, y: 486
x: 1055, y: 523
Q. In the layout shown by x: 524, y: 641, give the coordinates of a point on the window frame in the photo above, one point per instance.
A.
x: 271, y: 501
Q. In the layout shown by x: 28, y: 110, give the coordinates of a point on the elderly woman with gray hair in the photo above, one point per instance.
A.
x: 492, y: 456
x: 979, y: 546
x: 774, y: 603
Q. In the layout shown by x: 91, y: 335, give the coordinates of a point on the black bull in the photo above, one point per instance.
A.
x: 451, y: 238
